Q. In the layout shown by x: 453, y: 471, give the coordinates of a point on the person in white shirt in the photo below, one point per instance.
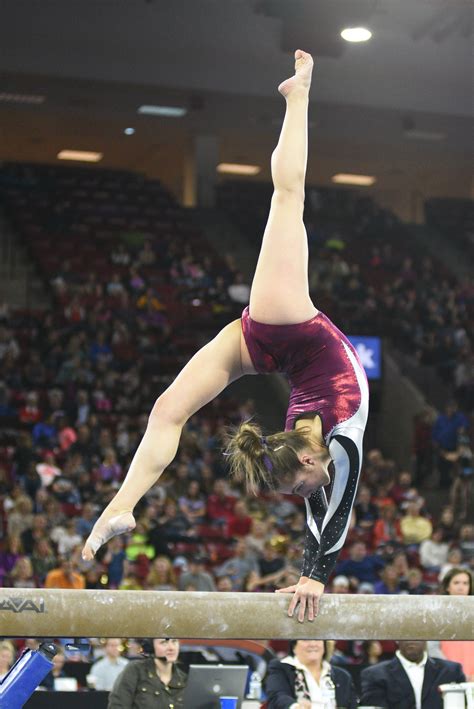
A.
x: 106, y: 671
x: 410, y: 680
x: 433, y: 551
x: 305, y: 679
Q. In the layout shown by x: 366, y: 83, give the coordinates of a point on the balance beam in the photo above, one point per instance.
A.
x: 55, y: 613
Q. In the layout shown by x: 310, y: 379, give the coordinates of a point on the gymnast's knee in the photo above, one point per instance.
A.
x: 166, y: 413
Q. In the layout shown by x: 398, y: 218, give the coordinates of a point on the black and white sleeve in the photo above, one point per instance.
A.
x: 328, y: 521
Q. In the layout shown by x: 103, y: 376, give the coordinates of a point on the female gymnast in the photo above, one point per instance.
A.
x: 281, y: 330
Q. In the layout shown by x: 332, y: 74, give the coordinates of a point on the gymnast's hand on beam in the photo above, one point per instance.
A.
x: 110, y: 523
x: 307, y: 593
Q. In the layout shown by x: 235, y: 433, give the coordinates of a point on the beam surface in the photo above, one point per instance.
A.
x: 60, y: 613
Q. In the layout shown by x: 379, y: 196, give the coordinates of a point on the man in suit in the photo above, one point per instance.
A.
x: 410, y: 680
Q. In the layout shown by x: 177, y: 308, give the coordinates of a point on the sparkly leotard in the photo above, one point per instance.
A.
x: 327, y: 379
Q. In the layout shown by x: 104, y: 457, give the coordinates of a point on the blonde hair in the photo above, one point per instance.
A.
x: 262, y: 461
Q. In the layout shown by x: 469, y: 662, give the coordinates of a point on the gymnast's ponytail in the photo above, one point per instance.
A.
x: 262, y: 461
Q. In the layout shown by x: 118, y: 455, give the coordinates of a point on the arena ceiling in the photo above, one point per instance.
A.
x: 95, y: 61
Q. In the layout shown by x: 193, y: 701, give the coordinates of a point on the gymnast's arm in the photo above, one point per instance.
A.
x: 327, y: 530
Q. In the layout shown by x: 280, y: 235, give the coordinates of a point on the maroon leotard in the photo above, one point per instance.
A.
x: 327, y: 379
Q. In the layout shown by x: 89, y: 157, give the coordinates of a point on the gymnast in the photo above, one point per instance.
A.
x: 281, y: 331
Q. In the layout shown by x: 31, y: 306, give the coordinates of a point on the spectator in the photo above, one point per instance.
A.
x: 445, y: 436
x: 105, y: 671
x: 456, y: 582
x: 448, y: 524
x: 114, y: 560
x: 196, y: 576
x: 161, y: 576
x: 7, y: 657
x: 414, y: 527
x: 387, y: 527
x: 415, y: 585
x: 240, y: 523
x: 66, y: 537
x: 340, y: 584
x: 466, y: 542
x: 240, y: 565
x: 257, y: 537
x: 9, y: 555
x: 411, y: 679
x: 65, y: 576
x: 360, y: 565
x: 43, y: 559
x: 57, y: 672
x: 22, y: 574
x: 37, y: 531
x: 454, y: 560
x: 365, y: 511
x: 193, y: 505
x: 47, y: 470
x: 220, y: 505
x: 86, y: 521
x: 239, y: 291
x: 301, y: 680
x: 389, y: 583
x: 21, y: 518
x: 434, y: 551
x: 154, y: 681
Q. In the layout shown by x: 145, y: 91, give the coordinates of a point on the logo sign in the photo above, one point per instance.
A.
x: 20, y: 605
x: 369, y: 350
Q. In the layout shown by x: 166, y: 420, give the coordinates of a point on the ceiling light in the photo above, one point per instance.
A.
x: 429, y: 135
x: 6, y: 97
x: 348, y: 179
x: 356, y: 34
x: 82, y: 155
x: 238, y: 169
x: 168, y: 111
x: 129, y: 131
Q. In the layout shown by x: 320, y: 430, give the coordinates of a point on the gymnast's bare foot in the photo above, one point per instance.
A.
x: 302, y: 78
x: 110, y: 524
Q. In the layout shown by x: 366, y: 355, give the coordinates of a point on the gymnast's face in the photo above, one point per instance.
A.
x: 310, y: 476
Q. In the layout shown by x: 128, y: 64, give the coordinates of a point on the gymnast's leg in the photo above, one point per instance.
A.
x: 210, y: 370
x: 280, y: 290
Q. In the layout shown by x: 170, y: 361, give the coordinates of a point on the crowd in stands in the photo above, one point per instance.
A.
x: 131, y: 302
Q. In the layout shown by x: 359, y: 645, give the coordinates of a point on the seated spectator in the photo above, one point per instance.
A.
x: 387, y: 527
x: 240, y: 523
x: 196, y: 576
x: 224, y: 584
x: 415, y: 585
x: 239, y: 291
x: 457, y: 582
x: 434, y: 551
x: 105, y: 671
x: 157, y: 676
x: 340, y: 584
x: 448, y: 524
x: 114, y: 559
x: 130, y: 580
x: 65, y: 576
x: 239, y: 565
x: 220, y: 505
x: 172, y: 525
x: 10, y: 552
x: 466, y: 542
x: 365, y: 511
x: 21, y: 518
x: 272, y: 560
x: 57, y: 672
x: 66, y: 537
x: 43, y: 559
x: 303, y: 678
x: 360, y: 564
x: 400, y: 492
x: 47, y: 469
x: 192, y: 504
x: 257, y: 538
x: 389, y: 583
x: 110, y: 470
x: 414, y: 527
x: 86, y: 521
x: 7, y: 657
x: 454, y: 560
x: 410, y: 679
x: 21, y: 575
x: 161, y: 576
x: 33, y: 534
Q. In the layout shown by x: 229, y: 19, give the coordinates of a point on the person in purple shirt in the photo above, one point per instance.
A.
x: 281, y: 330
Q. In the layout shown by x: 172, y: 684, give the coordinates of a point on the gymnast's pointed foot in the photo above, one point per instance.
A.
x: 302, y: 77
x: 110, y: 524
